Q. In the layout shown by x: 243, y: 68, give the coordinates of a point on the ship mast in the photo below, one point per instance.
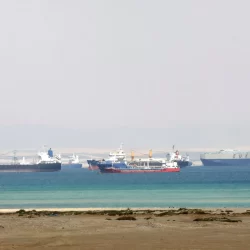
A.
x: 14, y: 157
x: 132, y: 155
x: 150, y: 153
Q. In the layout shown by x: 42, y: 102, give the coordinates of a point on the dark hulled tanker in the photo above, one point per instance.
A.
x: 46, y: 163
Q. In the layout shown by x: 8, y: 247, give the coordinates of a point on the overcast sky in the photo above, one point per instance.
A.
x: 127, y: 64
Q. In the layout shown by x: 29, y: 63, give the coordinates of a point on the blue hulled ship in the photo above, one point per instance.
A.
x: 226, y: 157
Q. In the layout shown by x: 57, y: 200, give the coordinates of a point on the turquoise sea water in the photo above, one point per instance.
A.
x: 81, y: 188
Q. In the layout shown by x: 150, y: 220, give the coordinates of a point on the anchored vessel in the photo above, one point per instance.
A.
x: 146, y: 165
x: 182, y: 161
x: 46, y: 163
x: 72, y: 163
x: 226, y: 157
x: 120, y: 156
x: 115, y: 156
x: 106, y: 167
x: 93, y: 164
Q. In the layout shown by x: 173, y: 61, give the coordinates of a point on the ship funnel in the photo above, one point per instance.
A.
x: 150, y: 153
x: 132, y: 155
x: 50, y: 153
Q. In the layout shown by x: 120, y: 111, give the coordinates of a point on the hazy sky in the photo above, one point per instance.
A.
x: 139, y: 64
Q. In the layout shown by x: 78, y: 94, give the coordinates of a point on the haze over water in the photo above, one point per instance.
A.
x: 150, y: 74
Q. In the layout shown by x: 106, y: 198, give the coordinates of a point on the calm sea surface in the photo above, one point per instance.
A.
x: 81, y: 188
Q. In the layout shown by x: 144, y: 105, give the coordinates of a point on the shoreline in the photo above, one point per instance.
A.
x: 101, y: 209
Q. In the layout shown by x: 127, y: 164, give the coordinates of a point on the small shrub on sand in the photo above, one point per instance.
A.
x: 223, y: 219
x: 126, y: 218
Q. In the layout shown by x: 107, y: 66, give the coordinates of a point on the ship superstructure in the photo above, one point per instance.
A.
x: 114, y: 156
x: 73, y: 162
x: 182, y: 161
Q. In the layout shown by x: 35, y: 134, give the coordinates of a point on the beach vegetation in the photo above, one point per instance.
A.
x: 223, y: 219
x: 169, y: 212
x: 21, y: 212
x: 247, y: 212
x: 126, y: 218
x: 182, y: 211
x: 198, y: 211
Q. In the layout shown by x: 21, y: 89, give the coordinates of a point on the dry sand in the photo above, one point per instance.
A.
x: 103, y: 231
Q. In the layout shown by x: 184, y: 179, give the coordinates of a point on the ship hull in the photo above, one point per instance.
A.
x: 93, y: 164
x: 72, y: 166
x: 43, y: 167
x: 128, y: 170
x: 182, y: 164
x: 122, y: 168
x: 226, y: 162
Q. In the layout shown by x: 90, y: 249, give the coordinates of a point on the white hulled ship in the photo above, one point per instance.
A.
x: 73, y: 162
x: 226, y: 157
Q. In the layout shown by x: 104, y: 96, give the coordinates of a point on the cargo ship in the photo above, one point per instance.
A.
x: 72, y: 163
x: 115, y: 156
x: 46, y: 163
x: 143, y: 165
x: 182, y: 161
x: 226, y: 157
x: 120, y: 156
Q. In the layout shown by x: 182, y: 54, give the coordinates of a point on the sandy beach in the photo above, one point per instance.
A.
x: 125, y: 229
